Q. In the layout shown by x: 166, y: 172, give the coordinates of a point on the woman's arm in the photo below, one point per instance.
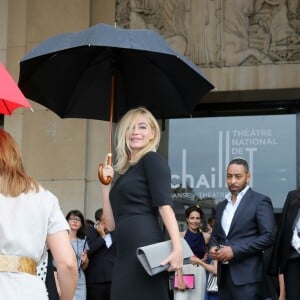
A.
x: 212, y: 267
x: 181, y: 283
x: 175, y: 259
x: 56, y: 283
x: 281, y: 287
x: 66, y: 264
x: 179, y: 272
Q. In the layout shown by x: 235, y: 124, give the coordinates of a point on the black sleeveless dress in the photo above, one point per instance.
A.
x: 135, y: 198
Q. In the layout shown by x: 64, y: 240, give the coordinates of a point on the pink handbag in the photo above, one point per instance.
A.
x: 189, y: 280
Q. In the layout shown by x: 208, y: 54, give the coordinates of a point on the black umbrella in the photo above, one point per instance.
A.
x: 103, y: 71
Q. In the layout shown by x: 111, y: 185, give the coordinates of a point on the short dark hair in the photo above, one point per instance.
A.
x: 98, y: 214
x: 77, y: 213
x: 239, y: 161
x: 196, y: 208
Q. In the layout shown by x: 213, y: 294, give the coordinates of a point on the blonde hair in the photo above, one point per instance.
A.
x: 123, y: 149
x: 13, y: 178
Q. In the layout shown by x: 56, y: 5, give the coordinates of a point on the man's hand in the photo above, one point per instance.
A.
x: 213, y: 252
x: 223, y: 254
x: 100, y: 229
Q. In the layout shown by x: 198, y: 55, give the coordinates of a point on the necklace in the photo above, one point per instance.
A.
x: 77, y: 254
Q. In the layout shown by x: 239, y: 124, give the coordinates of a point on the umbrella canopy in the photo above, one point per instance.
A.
x: 71, y: 74
x: 103, y: 71
x: 11, y: 96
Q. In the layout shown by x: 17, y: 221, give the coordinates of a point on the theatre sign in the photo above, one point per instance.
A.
x: 200, y: 149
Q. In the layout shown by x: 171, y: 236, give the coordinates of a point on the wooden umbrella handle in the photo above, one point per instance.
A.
x: 108, y: 179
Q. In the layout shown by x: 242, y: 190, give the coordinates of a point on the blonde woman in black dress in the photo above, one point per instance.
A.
x: 133, y: 205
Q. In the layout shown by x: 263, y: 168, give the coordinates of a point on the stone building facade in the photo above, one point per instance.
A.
x: 249, y: 49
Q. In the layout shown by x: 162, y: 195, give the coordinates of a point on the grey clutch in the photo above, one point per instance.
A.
x: 152, y: 255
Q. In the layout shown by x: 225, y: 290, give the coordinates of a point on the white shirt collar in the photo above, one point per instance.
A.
x: 240, y: 194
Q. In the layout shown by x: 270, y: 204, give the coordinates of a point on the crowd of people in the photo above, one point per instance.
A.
x: 79, y: 259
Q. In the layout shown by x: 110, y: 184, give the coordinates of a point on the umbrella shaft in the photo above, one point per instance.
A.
x: 111, y: 111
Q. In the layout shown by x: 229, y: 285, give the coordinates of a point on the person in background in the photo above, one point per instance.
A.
x: 30, y: 222
x: 48, y: 274
x: 89, y: 222
x: 210, y: 224
x: 285, y: 258
x: 132, y: 207
x: 102, y: 255
x: 211, y: 266
x: 271, y: 283
x: 244, y: 227
x: 77, y: 237
x: 197, y: 240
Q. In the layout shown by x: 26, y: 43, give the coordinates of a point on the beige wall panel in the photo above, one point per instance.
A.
x: 70, y: 194
x: 97, y: 145
x: 222, y: 77
x: 3, y: 53
x: 287, y: 76
x: 254, y: 77
x: 93, y: 199
x: 14, y: 55
x: 102, y: 11
x: 269, y: 77
x: 3, y: 23
x: 55, y: 148
x: 14, y: 125
x: 48, y: 18
x: 17, y: 23
x: 247, y: 77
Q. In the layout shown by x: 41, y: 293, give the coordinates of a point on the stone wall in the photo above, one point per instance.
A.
x: 218, y: 33
x: 240, y: 44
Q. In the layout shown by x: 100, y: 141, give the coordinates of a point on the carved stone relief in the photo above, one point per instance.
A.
x: 221, y: 32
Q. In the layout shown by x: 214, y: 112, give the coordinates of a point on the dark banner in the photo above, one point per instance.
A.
x: 200, y: 149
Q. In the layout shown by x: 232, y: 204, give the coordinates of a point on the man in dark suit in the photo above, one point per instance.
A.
x: 101, y: 254
x: 243, y: 229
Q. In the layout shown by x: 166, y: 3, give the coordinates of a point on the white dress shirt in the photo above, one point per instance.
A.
x: 230, y: 209
x: 108, y: 240
x: 296, y: 238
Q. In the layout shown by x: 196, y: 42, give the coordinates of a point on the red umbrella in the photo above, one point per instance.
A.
x: 11, y: 96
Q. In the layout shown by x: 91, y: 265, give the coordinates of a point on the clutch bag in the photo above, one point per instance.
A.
x: 212, y: 285
x: 189, y: 280
x: 152, y: 255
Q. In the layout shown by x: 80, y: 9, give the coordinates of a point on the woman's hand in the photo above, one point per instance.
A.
x: 84, y: 260
x: 107, y: 170
x: 175, y: 260
x: 181, y: 284
x: 100, y: 229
